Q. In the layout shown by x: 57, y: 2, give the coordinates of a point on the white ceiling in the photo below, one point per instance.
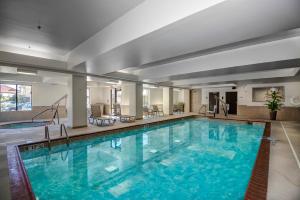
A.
x: 179, y: 43
x: 64, y: 24
x: 229, y: 22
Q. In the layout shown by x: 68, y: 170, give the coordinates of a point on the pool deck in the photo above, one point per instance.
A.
x: 284, y: 172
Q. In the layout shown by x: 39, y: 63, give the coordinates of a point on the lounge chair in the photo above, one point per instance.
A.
x: 97, y: 116
x: 95, y: 113
x: 105, y: 121
x: 123, y: 118
x: 127, y: 118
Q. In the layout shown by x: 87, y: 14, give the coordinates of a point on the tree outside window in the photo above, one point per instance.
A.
x: 15, y: 97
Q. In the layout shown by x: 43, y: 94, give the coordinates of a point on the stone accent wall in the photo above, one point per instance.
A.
x: 261, y: 112
x: 27, y: 115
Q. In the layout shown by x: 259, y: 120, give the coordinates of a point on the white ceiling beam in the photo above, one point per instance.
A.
x: 147, y: 17
x: 7, y: 58
x: 239, y: 77
x: 284, y: 49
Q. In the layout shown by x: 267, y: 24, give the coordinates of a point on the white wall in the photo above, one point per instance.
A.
x: 100, y: 95
x: 291, y: 89
x: 128, y: 99
x: 46, y: 94
x: 178, y: 96
x: 156, y: 96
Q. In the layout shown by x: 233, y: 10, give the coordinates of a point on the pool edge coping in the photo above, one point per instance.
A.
x: 17, y: 168
x: 258, y: 183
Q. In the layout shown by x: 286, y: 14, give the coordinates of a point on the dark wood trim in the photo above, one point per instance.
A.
x: 20, y: 186
x: 258, y: 184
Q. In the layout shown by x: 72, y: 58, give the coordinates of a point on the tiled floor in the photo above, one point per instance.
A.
x: 26, y: 135
x: 284, y: 173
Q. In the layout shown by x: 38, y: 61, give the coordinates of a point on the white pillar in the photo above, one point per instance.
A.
x: 168, y: 101
x: 77, y: 105
x: 139, y: 100
x: 186, y: 97
x: 132, y: 99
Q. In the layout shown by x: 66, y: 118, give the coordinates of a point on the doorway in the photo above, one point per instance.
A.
x: 213, y: 101
x: 231, y: 100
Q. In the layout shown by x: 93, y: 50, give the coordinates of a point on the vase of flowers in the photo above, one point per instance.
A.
x: 273, y: 102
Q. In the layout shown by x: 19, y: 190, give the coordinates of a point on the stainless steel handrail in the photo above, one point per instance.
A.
x: 203, y: 106
x: 56, y: 103
x: 62, y: 126
x: 224, y: 106
x: 47, y: 136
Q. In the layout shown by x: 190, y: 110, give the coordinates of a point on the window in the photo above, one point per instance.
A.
x: 88, y: 98
x: 23, y: 97
x: 259, y: 94
x: 15, y: 97
x: 118, y: 94
x: 146, y: 97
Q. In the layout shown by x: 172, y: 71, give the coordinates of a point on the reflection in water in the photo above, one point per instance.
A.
x: 116, y: 143
x: 194, y: 159
x: 214, y: 132
x: 230, y: 134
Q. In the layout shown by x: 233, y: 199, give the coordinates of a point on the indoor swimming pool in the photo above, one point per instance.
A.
x: 184, y: 159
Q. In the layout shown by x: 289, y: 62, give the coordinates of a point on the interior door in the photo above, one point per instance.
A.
x: 213, y: 101
x: 231, y: 99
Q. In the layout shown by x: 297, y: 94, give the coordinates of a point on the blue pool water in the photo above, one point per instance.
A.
x: 187, y: 159
x: 23, y: 125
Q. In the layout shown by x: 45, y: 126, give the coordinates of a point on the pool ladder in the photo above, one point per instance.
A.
x: 62, y: 129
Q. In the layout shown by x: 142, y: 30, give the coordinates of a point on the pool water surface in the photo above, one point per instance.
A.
x: 23, y: 125
x: 185, y: 159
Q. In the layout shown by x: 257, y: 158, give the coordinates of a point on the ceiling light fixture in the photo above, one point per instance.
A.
x: 113, y: 82
x: 27, y: 71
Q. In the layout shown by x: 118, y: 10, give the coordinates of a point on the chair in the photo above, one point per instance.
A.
x: 127, y: 118
x: 105, y: 121
x: 147, y: 112
x: 156, y: 110
x: 175, y: 108
x: 180, y: 107
x: 116, y: 111
x: 95, y: 113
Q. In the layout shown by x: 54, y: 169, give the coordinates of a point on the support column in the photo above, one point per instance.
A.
x: 77, y: 105
x: 186, y: 98
x: 139, y: 100
x: 168, y: 101
x: 132, y: 99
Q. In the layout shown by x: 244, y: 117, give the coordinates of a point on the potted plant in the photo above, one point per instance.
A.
x: 273, y: 102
